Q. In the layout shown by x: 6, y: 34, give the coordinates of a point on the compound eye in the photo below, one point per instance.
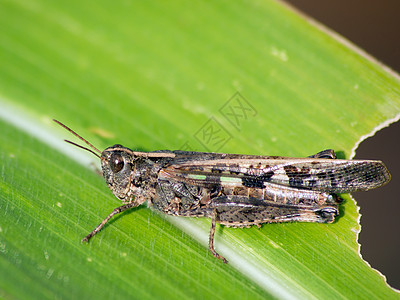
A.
x: 116, y: 162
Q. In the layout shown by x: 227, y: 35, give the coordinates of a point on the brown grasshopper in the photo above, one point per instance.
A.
x: 232, y: 189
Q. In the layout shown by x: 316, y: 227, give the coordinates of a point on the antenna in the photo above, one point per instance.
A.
x: 81, y: 138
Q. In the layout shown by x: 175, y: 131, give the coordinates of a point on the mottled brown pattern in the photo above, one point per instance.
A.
x: 233, y: 189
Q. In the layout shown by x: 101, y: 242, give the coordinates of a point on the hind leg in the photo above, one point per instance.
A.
x: 329, y: 153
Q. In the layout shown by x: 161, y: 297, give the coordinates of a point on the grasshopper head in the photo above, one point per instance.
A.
x: 119, y: 170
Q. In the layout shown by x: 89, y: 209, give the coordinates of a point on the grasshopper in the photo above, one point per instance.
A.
x: 234, y: 190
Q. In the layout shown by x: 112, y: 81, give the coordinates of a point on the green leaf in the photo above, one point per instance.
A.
x: 165, y: 75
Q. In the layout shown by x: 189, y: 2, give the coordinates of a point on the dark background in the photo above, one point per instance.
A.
x: 373, y: 26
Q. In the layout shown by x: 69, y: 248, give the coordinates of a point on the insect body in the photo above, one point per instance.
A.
x: 232, y: 189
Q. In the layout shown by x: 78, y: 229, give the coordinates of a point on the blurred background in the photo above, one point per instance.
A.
x: 374, y: 27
